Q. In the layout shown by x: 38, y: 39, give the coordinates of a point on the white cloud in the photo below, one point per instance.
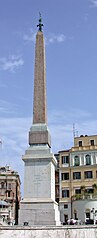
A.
x: 55, y: 38
x: 93, y: 3
x: 11, y: 63
x: 61, y: 38
x: 30, y: 37
x: 7, y: 108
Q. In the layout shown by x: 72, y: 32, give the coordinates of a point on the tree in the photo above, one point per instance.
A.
x: 82, y: 189
x: 94, y: 186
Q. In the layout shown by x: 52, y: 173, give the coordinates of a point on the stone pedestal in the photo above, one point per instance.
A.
x: 39, y: 212
x: 38, y: 206
x: 39, y: 134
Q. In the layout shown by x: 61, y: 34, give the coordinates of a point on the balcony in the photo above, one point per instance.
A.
x: 84, y: 197
x: 65, y: 165
x: 4, y: 212
x: 81, y: 148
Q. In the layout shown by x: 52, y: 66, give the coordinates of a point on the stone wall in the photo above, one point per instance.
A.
x: 49, y: 232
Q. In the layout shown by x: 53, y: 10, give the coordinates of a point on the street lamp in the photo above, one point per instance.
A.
x: 93, y: 211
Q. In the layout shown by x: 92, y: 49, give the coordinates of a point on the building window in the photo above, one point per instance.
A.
x: 3, y: 169
x: 8, y: 193
x: 88, y: 214
x: 65, y: 193
x: 65, y: 218
x: 65, y: 176
x: 57, y: 191
x: 88, y: 175
x: 75, y: 215
x: 9, y: 186
x: 78, y: 191
x: 76, y: 161
x: 88, y: 159
x: 80, y: 143
x: 2, y: 185
x: 96, y: 173
x: 65, y: 159
x: 89, y: 190
x: 65, y: 206
x: 76, y: 175
x: 92, y: 142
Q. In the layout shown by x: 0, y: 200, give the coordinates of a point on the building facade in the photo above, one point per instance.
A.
x: 78, y: 180
x: 9, y: 194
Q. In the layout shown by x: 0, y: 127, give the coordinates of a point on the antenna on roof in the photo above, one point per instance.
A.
x: 77, y: 133
x: 0, y: 143
x: 73, y: 130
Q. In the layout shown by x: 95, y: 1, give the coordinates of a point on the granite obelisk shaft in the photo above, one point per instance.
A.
x: 39, y: 110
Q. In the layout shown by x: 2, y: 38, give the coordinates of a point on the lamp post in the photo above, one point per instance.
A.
x: 93, y: 211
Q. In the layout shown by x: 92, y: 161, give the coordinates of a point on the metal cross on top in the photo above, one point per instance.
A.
x: 40, y: 22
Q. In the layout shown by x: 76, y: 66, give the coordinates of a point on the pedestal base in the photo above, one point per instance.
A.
x: 39, y: 212
x: 38, y: 206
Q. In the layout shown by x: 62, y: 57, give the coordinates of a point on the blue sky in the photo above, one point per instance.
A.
x: 70, y: 31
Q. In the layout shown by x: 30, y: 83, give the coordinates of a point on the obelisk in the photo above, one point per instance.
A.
x: 38, y: 206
